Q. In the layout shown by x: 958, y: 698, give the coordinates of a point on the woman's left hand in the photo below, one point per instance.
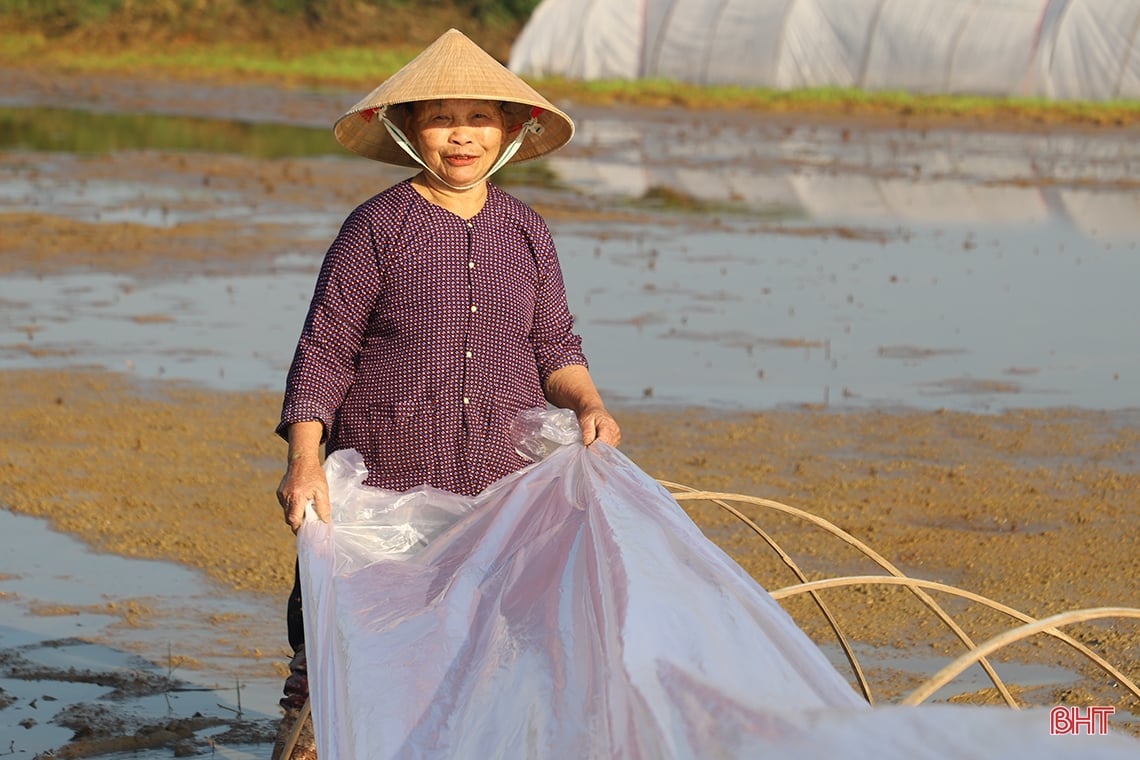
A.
x: 571, y: 387
x: 598, y: 425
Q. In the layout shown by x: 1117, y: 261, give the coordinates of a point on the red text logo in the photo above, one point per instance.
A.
x: 1075, y: 720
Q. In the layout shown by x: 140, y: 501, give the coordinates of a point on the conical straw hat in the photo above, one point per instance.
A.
x: 451, y: 67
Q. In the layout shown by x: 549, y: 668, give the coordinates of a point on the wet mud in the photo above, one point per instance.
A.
x: 108, y: 726
x: 1032, y: 509
x: 1035, y: 508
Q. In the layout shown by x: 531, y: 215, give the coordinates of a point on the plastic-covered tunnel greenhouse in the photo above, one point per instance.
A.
x: 1058, y: 49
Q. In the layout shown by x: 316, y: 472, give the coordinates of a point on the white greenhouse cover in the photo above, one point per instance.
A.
x: 1062, y: 49
x: 573, y: 610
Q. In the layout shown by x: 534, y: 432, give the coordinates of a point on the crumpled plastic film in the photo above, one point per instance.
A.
x: 537, y: 433
x: 573, y: 610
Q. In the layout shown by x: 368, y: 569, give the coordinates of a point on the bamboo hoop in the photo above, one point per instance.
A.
x: 845, y: 645
x: 951, y: 671
x: 974, y: 653
x: 859, y: 580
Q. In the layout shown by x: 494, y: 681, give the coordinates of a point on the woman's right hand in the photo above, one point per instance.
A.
x: 304, y: 481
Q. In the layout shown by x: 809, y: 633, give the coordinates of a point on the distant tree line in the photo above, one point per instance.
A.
x: 73, y: 13
x: 517, y: 10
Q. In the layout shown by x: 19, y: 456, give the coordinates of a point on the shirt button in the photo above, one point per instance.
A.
x: 466, y: 400
x: 474, y: 308
x: 470, y: 264
x: 470, y: 225
x: 468, y: 354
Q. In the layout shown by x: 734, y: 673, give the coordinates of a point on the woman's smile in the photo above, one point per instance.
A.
x: 459, y: 140
x: 461, y: 160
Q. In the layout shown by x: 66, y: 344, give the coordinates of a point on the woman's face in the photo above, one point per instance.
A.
x: 459, y: 140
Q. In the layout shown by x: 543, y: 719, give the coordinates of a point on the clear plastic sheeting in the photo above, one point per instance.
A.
x: 574, y: 610
x: 1065, y: 49
x: 537, y: 433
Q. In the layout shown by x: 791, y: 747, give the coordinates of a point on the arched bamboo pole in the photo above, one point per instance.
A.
x: 719, y: 498
x: 845, y: 645
x: 859, y: 580
x: 955, y: 668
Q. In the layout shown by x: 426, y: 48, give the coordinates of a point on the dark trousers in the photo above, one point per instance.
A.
x: 294, y: 618
x: 297, y: 683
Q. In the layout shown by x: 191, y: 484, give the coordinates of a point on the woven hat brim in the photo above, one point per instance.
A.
x: 452, y: 67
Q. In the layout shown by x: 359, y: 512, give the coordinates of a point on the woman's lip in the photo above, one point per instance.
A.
x: 460, y: 160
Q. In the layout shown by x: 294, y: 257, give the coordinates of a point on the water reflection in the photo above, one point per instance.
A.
x: 91, y: 132
x: 67, y: 641
x: 878, y: 177
x: 754, y: 264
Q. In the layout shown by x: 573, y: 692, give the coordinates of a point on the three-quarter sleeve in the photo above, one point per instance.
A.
x: 324, y: 364
x: 555, y: 343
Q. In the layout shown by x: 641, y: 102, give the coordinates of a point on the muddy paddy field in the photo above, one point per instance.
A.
x: 924, y: 334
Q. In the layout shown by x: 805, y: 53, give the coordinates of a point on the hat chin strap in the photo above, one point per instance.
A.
x: 530, y: 125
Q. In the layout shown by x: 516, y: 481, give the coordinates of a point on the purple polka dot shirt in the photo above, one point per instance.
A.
x: 427, y: 333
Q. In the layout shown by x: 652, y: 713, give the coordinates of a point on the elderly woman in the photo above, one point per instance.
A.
x: 440, y: 311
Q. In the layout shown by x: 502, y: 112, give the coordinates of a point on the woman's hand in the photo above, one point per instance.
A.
x: 598, y: 425
x: 571, y: 387
x: 304, y: 481
x: 304, y: 478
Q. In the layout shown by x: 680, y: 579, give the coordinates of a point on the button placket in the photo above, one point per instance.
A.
x: 472, y: 311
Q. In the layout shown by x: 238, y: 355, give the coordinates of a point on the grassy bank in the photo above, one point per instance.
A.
x: 335, y: 43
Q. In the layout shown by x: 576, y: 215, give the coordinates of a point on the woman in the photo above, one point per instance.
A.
x: 440, y: 311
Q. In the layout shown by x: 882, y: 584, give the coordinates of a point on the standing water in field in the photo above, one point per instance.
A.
x: 742, y: 263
